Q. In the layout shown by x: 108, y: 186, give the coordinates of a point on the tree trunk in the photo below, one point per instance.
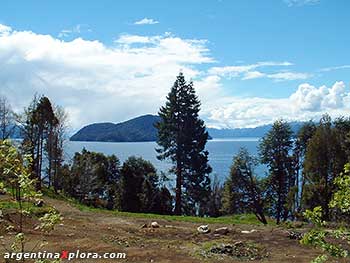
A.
x: 259, y: 213
x: 178, y: 197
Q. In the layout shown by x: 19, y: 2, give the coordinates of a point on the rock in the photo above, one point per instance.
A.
x: 155, y: 225
x: 203, y: 229
x: 248, y: 231
x: 144, y: 226
x: 221, y: 231
x: 1, y: 214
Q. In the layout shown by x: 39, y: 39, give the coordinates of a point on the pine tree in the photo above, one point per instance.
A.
x: 324, y: 161
x: 275, y: 149
x: 243, y: 189
x: 138, y: 185
x: 301, y: 141
x: 182, y: 137
x: 162, y: 203
x: 39, y: 121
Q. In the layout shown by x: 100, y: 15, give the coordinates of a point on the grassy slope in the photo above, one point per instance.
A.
x: 101, y: 230
x: 235, y: 219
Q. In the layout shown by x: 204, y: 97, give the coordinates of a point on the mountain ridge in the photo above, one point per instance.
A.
x: 141, y: 129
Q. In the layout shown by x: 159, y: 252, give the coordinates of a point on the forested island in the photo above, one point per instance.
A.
x: 142, y: 129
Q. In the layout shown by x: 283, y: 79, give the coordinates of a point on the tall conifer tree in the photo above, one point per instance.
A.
x: 182, y: 137
x: 275, y: 151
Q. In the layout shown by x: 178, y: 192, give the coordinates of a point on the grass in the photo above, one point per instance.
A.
x: 33, y: 209
x: 247, y: 219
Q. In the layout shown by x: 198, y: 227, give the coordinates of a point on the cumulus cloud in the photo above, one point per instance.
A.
x: 4, y: 30
x: 307, y: 102
x: 310, y: 98
x: 146, y: 21
x: 99, y: 83
x: 93, y: 81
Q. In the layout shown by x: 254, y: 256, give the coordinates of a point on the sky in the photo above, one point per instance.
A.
x: 252, y: 62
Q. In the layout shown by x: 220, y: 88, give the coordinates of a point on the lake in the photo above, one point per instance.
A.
x: 221, y: 152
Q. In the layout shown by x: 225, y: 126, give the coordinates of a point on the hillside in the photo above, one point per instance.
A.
x: 176, y: 240
x: 142, y: 129
x: 248, y: 132
x: 135, y: 130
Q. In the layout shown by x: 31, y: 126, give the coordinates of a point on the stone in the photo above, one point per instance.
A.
x: 222, y: 231
x: 203, y: 229
x: 155, y: 225
x: 248, y: 231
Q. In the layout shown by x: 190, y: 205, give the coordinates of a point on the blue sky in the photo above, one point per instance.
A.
x: 249, y: 59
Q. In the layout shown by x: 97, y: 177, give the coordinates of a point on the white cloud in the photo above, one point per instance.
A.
x: 291, y: 3
x: 234, y: 71
x: 310, y: 98
x: 74, y: 30
x: 98, y: 83
x: 146, y: 21
x: 307, y: 102
x: 335, y: 68
x: 4, y: 30
x: 253, y: 75
x: 93, y: 81
x: 246, y: 72
x: 133, y: 39
x: 289, y: 76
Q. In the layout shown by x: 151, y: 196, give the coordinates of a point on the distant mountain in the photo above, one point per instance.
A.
x: 139, y: 129
x: 259, y: 131
x: 142, y: 129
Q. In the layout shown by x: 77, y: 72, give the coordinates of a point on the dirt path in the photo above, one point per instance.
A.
x: 173, y: 242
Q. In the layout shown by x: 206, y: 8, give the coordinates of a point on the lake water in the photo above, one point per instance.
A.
x: 221, y: 152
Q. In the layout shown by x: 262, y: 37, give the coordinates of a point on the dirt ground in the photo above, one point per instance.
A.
x: 172, y: 242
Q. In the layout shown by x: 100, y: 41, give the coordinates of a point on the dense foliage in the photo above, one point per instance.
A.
x: 243, y: 190
x: 334, y: 243
x: 302, y: 170
x: 43, y: 128
x: 16, y: 180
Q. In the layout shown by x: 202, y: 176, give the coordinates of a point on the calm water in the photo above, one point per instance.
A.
x: 221, y: 152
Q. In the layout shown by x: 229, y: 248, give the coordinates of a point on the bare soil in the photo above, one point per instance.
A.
x: 173, y: 241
